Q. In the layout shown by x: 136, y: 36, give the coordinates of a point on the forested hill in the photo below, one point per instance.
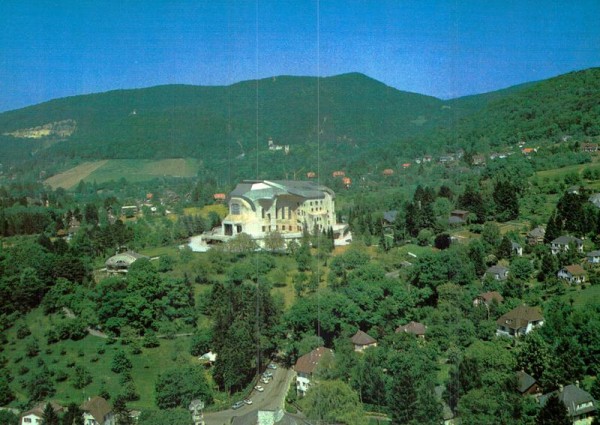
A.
x: 359, y: 121
x: 180, y: 120
x: 567, y: 105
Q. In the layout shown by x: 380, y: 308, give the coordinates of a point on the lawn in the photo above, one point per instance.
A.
x: 583, y: 297
x: 133, y: 170
x: 95, y: 355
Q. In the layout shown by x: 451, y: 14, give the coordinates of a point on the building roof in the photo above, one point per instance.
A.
x: 566, y: 240
x: 415, y: 328
x: 309, y: 362
x: 390, y: 216
x: 489, y: 296
x: 524, y: 381
x: 572, y: 396
x: 38, y: 409
x: 362, y: 338
x: 575, y: 270
x: 520, y: 316
x: 500, y: 270
x: 123, y: 259
x: 252, y: 190
x: 538, y: 232
x: 455, y: 220
x: 593, y: 254
x: 97, y: 407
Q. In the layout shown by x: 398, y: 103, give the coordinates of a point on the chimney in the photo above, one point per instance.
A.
x: 577, y: 384
x: 560, y: 388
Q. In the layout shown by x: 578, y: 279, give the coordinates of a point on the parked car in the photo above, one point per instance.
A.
x: 247, y: 401
x: 272, y: 366
x: 264, y: 380
x: 237, y: 405
x: 259, y: 388
x: 267, y: 375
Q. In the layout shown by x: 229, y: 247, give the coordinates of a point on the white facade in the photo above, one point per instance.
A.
x: 31, y: 419
x: 288, y: 207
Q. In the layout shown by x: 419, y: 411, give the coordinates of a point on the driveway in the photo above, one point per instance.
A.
x: 271, y: 398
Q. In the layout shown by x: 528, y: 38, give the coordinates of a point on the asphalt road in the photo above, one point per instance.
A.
x: 270, y: 399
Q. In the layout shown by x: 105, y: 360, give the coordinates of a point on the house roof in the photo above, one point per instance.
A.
x: 362, y: 338
x: 524, y: 381
x: 38, y: 409
x: 519, y: 317
x: 309, y: 362
x: 97, y: 407
x: 501, y: 270
x: 575, y: 270
x: 390, y: 216
x: 459, y: 212
x: 572, y: 396
x: 538, y: 232
x: 412, y: 328
x: 123, y: 259
x: 593, y: 254
x: 566, y: 240
x: 490, y: 296
x: 455, y: 220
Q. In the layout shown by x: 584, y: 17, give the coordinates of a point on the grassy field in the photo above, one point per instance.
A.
x: 133, y: 170
x: 71, y: 178
x: 582, y: 297
x: 562, y: 172
x: 95, y: 355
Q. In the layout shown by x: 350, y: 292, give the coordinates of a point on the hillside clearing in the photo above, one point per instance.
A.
x: 71, y: 177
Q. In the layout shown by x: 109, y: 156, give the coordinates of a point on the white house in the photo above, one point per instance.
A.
x: 573, y: 273
x: 561, y: 244
x: 34, y: 416
x: 497, y: 272
x: 593, y: 257
x: 97, y: 411
x: 519, y: 321
x: 306, y: 365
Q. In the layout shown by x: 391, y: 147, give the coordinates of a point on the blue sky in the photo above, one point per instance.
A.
x: 51, y: 49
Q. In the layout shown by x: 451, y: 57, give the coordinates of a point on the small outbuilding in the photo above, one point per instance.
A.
x: 362, y: 340
x: 121, y: 262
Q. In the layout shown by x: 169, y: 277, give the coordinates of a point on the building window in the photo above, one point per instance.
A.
x: 27, y: 420
x: 263, y: 229
x: 235, y: 209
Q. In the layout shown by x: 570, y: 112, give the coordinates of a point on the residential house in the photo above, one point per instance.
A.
x: 488, y: 298
x: 458, y: 217
x: 257, y: 207
x: 536, y: 236
x: 270, y: 417
x: 362, y: 340
x: 526, y: 384
x: 595, y: 199
x: 478, y: 160
x: 35, y: 415
x: 97, y: 411
x: 580, y: 405
x: 415, y: 328
x: 519, y: 321
x: 121, y: 262
x: 589, y: 147
x: 561, y: 244
x: 573, y: 273
x: 307, y: 365
x: 496, y: 272
x: 516, y: 249
x: 593, y: 257
x: 389, y: 217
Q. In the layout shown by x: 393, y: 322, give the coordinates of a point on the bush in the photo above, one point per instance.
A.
x: 120, y: 362
x: 23, y: 331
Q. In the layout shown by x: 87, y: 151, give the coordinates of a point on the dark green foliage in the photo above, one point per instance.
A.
x: 40, y: 385
x: 506, y: 200
x: 553, y: 412
x: 200, y: 342
x: 50, y: 417
x: 6, y: 393
x: 122, y: 412
x: 165, y: 417
x: 442, y: 241
x: 177, y: 387
x: 333, y: 402
x: 120, y: 362
x: 8, y: 418
x: 73, y: 415
x: 81, y: 377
